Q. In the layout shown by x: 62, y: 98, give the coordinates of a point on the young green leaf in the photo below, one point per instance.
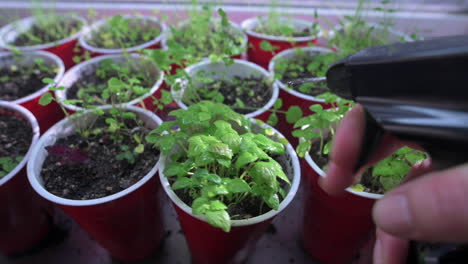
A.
x: 238, y: 186
x: 200, y: 205
x: 244, y: 159
x: 46, y: 99
x: 219, y: 218
x: 217, y: 205
x: 278, y: 104
x: 272, y: 201
x: 48, y: 81
x: 273, y: 119
x: 182, y: 183
x: 327, y: 147
x: 213, y: 190
x: 293, y: 114
x: 357, y: 187
x: 266, y: 46
x: 303, y: 148
x: 139, y: 149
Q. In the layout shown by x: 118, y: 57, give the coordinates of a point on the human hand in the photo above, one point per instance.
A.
x: 432, y: 208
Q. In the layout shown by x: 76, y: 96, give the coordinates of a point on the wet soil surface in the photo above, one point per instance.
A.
x: 90, y: 87
x: 204, y: 45
x: 297, y: 33
x: 141, y: 31
x: 15, y: 135
x: 18, y: 84
x: 87, y: 168
x: 296, y: 72
x: 48, y: 32
x: 245, y: 95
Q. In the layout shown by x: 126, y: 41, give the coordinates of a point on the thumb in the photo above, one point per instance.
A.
x: 433, y: 208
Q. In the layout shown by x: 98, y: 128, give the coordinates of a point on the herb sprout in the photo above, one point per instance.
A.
x: 391, y: 171
x: 22, y: 77
x: 205, y: 36
x: 48, y: 28
x: 120, y: 32
x: 304, y: 64
x: 220, y: 162
x: 8, y: 164
x: 319, y: 128
x: 123, y: 83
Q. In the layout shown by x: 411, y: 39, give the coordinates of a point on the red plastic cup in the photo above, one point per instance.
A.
x: 48, y: 115
x: 128, y: 223
x: 155, y: 43
x: 63, y: 48
x: 210, y: 245
x: 240, y: 68
x: 292, y: 97
x: 89, y: 67
x: 24, y: 222
x: 335, y: 227
x: 261, y: 57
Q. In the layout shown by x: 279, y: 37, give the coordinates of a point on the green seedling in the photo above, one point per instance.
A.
x: 121, y: 32
x: 304, y: 65
x: 7, y: 164
x: 322, y: 122
x: 319, y: 128
x: 49, y: 27
x: 391, y: 171
x: 112, y: 83
x: 123, y: 83
x: 279, y: 25
x: 357, y: 34
x: 220, y: 161
x: 23, y: 77
x: 206, y: 36
x: 221, y: 88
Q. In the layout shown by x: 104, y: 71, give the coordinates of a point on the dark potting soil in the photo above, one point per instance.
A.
x: 90, y: 87
x: 253, y: 92
x: 139, y: 32
x: 296, y: 34
x: 369, y: 183
x: 50, y: 31
x: 296, y: 71
x: 89, y: 168
x: 15, y: 135
x: 17, y: 84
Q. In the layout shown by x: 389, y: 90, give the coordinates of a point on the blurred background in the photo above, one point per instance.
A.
x: 427, y: 18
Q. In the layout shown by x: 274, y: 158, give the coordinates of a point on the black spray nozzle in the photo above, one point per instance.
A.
x: 415, y: 91
x: 338, y: 80
x: 432, y: 70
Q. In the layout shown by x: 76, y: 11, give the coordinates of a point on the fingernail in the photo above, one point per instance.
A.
x: 393, y: 215
x: 427, y: 163
x: 378, y: 258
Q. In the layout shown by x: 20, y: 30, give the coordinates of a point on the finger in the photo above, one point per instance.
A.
x: 346, y: 149
x: 432, y: 208
x: 344, y: 152
x: 389, y: 249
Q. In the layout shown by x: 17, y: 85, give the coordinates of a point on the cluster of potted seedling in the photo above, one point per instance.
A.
x: 220, y: 160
